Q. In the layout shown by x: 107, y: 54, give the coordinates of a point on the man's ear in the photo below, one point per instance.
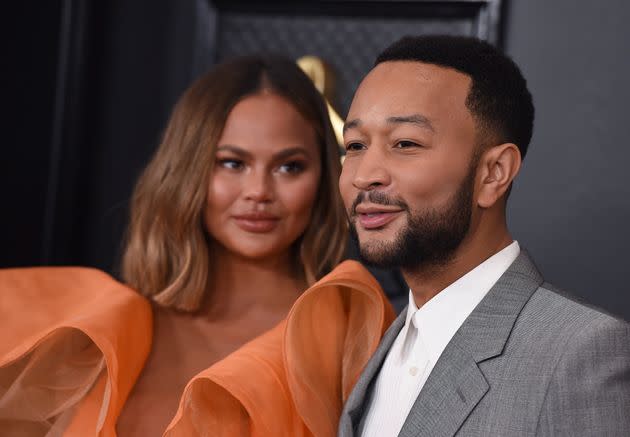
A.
x: 497, y: 168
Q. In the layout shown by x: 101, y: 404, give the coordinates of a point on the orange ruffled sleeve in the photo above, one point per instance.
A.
x: 72, y: 343
x: 294, y: 379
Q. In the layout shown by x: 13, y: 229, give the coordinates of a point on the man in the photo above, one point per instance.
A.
x: 434, y: 138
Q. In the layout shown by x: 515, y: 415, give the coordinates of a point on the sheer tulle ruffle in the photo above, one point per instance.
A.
x: 72, y: 343
x: 294, y: 379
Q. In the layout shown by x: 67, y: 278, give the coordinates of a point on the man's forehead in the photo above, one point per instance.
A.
x: 407, y: 76
x: 416, y: 71
x: 398, y: 87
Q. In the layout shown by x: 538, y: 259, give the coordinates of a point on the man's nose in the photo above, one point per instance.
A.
x: 372, y: 170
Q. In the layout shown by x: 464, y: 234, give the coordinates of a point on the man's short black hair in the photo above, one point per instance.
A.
x: 498, y: 98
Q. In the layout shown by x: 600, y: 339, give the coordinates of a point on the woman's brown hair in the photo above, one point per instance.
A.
x: 168, y: 252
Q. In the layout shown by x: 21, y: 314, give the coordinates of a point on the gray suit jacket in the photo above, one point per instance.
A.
x: 527, y: 361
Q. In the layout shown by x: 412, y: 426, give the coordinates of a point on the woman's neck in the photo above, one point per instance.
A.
x: 240, y: 285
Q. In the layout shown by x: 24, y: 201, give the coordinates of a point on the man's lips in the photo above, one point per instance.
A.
x: 376, y: 216
x: 257, y: 222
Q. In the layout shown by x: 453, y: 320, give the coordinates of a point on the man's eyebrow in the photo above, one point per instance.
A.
x: 416, y: 119
x: 351, y: 124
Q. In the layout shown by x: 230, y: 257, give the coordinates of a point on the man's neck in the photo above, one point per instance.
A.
x: 427, y: 281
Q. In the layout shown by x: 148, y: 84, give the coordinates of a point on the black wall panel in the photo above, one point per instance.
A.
x: 90, y: 85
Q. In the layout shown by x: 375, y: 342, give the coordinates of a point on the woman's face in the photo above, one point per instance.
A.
x: 265, y: 179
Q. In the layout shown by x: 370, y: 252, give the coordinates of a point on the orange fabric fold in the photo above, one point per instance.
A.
x: 294, y: 379
x: 75, y: 341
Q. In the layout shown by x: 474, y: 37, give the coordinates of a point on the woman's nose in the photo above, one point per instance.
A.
x: 259, y: 186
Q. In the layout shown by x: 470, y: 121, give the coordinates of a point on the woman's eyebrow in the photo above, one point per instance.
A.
x: 290, y: 152
x: 282, y: 154
x: 234, y: 149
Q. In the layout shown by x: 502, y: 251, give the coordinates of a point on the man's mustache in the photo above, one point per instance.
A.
x: 376, y: 197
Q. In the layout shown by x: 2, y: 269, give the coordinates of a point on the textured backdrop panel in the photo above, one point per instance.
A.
x: 348, y: 44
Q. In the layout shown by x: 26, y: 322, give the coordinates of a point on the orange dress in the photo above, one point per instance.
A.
x: 94, y: 334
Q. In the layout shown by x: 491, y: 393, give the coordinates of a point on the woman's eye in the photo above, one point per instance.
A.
x: 231, y: 164
x: 406, y: 144
x: 353, y: 147
x: 292, y: 167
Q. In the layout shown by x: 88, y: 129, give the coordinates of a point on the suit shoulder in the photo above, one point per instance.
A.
x: 560, y: 311
x: 588, y: 374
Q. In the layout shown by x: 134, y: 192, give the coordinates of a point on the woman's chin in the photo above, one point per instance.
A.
x: 259, y: 254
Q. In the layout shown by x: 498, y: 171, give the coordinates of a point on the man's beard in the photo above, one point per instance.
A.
x: 430, y: 237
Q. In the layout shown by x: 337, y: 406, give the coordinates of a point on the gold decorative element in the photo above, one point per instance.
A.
x: 323, y: 78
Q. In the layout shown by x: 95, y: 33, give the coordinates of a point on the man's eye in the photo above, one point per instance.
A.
x: 406, y: 144
x: 353, y: 147
x: 232, y: 164
x: 292, y: 167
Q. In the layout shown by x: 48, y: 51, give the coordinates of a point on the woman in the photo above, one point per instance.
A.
x: 234, y: 246
x: 236, y: 215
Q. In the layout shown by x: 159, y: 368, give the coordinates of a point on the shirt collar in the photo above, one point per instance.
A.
x: 439, y: 319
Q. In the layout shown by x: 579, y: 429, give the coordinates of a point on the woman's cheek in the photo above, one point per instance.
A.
x: 223, y: 191
x: 303, y: 196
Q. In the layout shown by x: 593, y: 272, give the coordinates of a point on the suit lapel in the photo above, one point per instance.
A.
x: 353, y: 409
x: 456, y: 385
x: 447, y: 398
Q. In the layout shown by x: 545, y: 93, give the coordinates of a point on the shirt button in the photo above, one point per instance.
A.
x: 413, y: 371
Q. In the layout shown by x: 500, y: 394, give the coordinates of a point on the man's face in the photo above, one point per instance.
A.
x: 408, y: 178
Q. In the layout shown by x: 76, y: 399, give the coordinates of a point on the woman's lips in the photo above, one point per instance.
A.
x: 258, y: 223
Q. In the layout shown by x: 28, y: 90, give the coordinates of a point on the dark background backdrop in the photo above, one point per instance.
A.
x: 89, y: 87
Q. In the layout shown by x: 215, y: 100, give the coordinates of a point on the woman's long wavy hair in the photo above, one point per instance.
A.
x: 168, y: 253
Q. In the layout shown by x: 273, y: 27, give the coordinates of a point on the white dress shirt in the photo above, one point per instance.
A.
x: 422, y: 340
